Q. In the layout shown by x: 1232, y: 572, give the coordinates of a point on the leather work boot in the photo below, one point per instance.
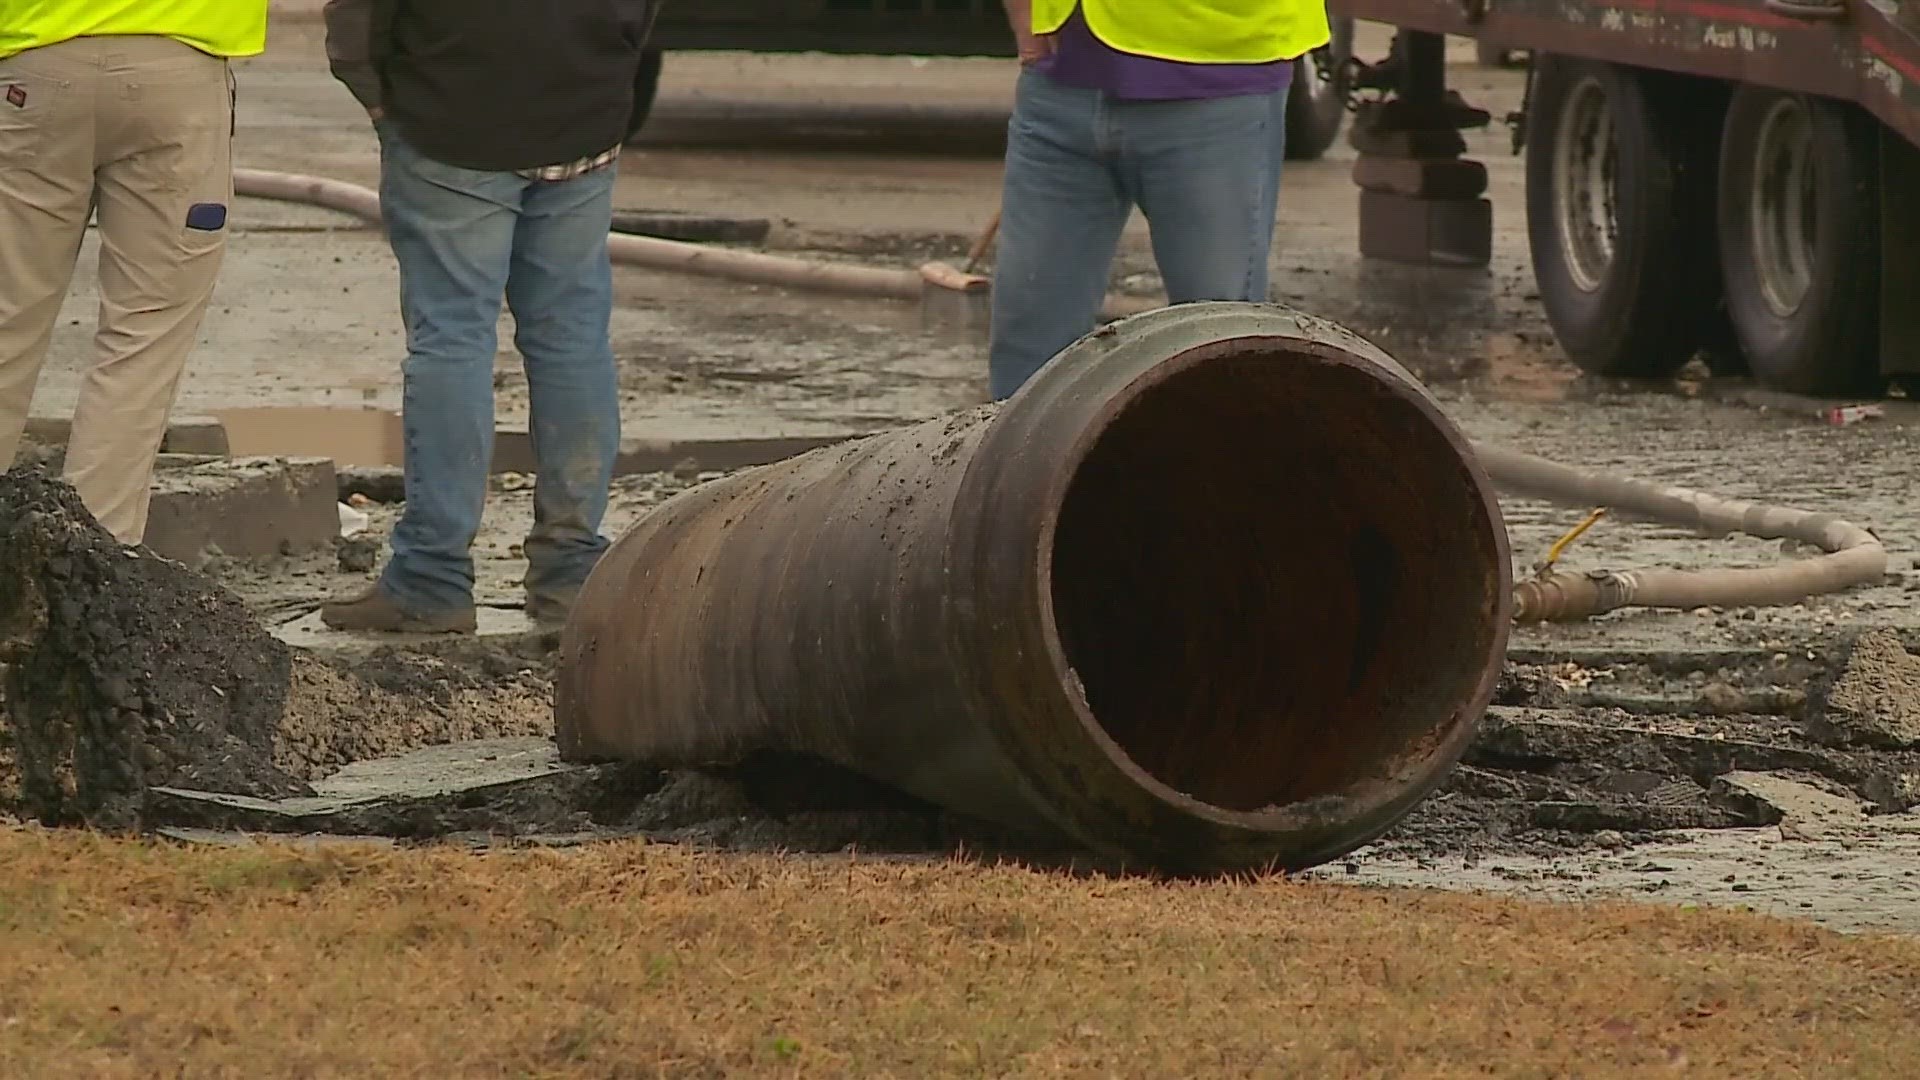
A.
x: 549, y: 610
x: 375, y: 609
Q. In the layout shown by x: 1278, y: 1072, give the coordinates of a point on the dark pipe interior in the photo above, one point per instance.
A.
x: 1274, y: 578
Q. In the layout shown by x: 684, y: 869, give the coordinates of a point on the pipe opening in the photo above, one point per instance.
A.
x: 1276, y: 578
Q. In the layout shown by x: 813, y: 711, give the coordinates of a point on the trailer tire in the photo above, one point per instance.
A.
x: 1622, y: 254
x: 1803, y: 295
x: 1317, y: 99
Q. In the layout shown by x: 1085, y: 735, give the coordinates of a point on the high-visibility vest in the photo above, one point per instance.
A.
x: 1197, y: 31
x: 220, y: 27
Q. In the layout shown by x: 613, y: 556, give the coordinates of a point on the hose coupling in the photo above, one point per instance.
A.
x: 1559, y: 596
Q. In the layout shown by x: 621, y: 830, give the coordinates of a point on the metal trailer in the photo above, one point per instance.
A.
x: 1738, y: 179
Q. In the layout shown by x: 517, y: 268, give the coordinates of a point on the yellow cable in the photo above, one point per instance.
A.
x: 1560, y: 546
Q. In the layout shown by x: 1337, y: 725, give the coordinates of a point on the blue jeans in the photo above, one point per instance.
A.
x: 1206, y: 173
x: 465, y: 239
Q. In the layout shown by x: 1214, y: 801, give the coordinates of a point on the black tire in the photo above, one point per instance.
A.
x: 1317, y: 102
x: 1621, y: 240
x: 646, y: 88
x: 1804, y: 298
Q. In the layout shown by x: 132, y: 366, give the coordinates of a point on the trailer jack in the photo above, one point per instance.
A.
x: 1421, y: 200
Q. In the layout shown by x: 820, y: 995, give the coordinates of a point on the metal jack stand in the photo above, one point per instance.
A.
x: 1420, y: 201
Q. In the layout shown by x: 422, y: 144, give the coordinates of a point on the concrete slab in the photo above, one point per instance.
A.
x: 245, y: 507
x: 441, y: 770
x: 432, y: 791
x: 1802, y: 810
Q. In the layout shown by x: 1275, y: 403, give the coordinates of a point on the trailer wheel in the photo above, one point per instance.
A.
x: 1799, y: 237
x: 1622, y: 252
x: 1317, y: 99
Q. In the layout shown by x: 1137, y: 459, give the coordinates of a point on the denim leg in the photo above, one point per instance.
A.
x: 561, y: 293
x: 1207, y: 176
x: 452, y: 233
x: 1062, y: 210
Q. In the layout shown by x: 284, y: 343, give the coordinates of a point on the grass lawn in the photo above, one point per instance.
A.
x: 122, y: 958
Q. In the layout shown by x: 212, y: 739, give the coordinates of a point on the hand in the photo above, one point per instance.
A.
x: 376, y: 114
x: 1033, y: 47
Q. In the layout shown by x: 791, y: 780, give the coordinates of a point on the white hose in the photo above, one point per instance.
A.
x: 749, y: 267
x: 745, y: 266
x: 1853, y: 556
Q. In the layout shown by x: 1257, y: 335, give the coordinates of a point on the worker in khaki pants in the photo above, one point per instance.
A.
x: 124, y: 107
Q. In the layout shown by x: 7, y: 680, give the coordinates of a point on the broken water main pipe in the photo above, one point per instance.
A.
x: 1851, y: 555
x: 1220, y: 588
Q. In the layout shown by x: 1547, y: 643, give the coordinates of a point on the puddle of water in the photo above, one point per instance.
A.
x: 361, y: 437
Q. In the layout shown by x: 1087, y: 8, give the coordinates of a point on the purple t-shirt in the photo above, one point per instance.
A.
x: 1083, y: 60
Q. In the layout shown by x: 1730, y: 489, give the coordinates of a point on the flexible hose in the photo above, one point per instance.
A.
x: 1853, y: 556
x: 748, y: 267
x: 645, y: 251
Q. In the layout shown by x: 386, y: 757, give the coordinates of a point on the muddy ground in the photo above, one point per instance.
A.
x: 305, y: 315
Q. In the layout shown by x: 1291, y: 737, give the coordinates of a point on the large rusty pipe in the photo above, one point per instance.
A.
x: 1219, y: 588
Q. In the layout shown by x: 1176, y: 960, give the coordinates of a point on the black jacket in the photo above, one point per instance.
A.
x: 496, y: 85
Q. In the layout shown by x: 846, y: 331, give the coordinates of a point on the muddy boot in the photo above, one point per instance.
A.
x: 376, y: 609
x: 549, y: 609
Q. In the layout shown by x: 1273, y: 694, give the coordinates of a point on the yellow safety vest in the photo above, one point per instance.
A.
x: 1197, y: 31
x: 220, y: 27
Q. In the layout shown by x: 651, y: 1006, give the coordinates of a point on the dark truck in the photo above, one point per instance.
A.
x: 951, y: 28
x: 1733, y: 179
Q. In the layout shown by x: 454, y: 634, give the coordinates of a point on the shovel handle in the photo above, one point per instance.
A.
x: 981, y: 243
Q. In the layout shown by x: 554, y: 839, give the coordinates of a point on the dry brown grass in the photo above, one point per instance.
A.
x: 139, y: 959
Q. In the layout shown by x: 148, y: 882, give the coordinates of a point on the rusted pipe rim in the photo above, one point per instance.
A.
x: 1335, y: 356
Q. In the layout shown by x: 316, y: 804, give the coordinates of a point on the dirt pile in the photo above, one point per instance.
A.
x: 125, y: 671
x: 395, y: 701
x: 1875, y: 700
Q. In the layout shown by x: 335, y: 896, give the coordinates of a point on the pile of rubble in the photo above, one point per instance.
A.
x: 1566, y: 759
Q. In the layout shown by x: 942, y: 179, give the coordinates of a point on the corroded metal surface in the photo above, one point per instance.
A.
x: 1219, y: 588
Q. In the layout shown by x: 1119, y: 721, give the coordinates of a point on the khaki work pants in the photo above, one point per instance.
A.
x: 140, y: 130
